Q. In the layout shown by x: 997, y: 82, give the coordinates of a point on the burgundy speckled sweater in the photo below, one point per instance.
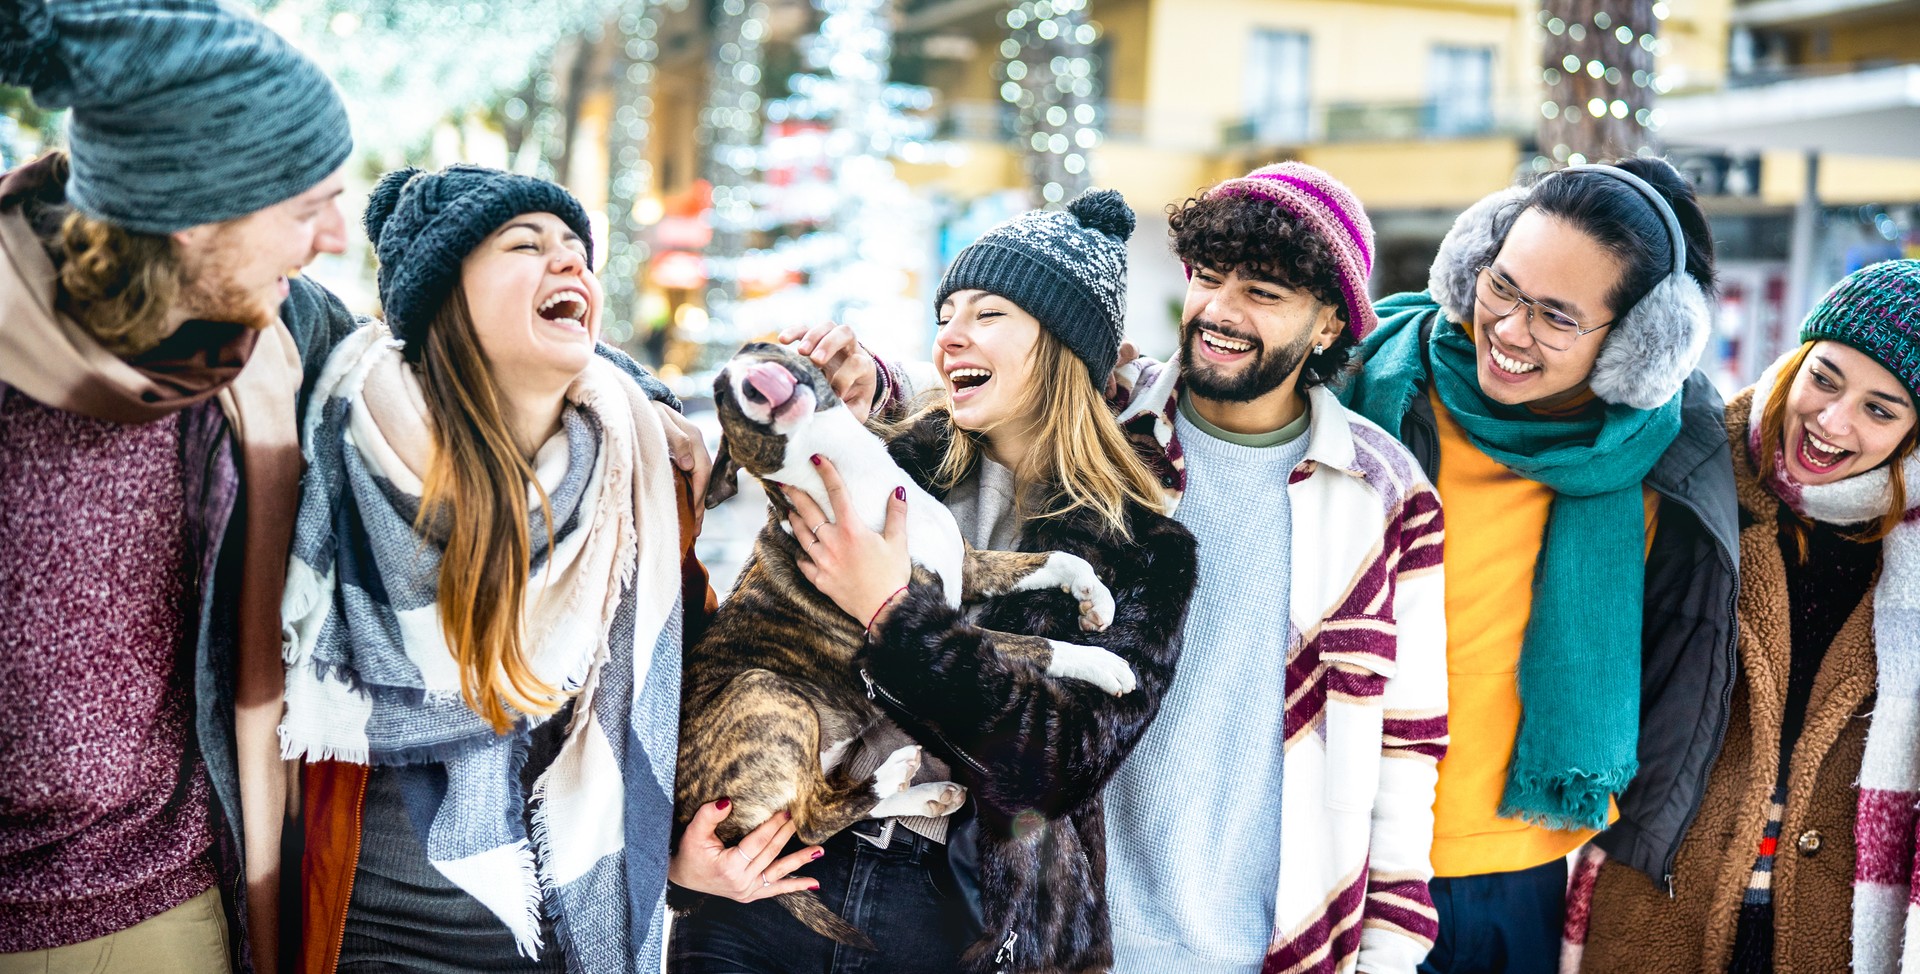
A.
x: 105, y: 818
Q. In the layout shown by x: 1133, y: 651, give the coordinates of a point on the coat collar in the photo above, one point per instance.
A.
x: 1156, y: 399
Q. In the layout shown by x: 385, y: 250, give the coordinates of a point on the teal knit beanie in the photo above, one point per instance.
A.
x: 184, y: 111
x: 1877, y: 310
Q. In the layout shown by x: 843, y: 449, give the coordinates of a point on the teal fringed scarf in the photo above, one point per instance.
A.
x: 1580, y: 663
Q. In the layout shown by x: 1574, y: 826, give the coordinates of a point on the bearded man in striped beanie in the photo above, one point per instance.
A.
x: 1277, y: 814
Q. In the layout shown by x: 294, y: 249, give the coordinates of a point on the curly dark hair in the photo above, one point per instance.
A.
x: 1258, y: 237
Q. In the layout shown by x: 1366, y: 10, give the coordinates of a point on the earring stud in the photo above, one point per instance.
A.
x: 1319, y: 348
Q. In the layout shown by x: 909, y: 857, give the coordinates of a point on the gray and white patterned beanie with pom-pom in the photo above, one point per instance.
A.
x: 1066, y: 268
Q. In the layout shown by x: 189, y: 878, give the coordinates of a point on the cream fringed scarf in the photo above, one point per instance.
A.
x: 370, y: 679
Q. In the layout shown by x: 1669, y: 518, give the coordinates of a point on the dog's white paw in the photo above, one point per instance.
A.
x: 932, y: 800
x: 1071, y: 574
x: 896, y: 773
x: 1093, y: 665
x: 1078, y: 580
x: 1096, y: 604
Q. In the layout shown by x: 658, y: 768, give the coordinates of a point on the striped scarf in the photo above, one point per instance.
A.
x: 370, y: 679
x: 1886, y: 902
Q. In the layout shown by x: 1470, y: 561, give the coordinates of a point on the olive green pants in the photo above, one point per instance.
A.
x: 189, y: 939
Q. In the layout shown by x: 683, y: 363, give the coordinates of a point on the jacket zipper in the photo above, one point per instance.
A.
x: 359, y: 823
x: 875, y: 690
x: 1726, y: 700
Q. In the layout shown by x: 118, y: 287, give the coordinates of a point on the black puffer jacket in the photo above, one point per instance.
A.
x: 1035, y: 752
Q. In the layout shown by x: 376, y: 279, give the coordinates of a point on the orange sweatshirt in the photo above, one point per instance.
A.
x: 1497, y: 520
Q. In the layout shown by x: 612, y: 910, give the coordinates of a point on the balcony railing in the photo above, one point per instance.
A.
x: 997, y: 121
x: 1316, y: 122
x: 1376, y: 121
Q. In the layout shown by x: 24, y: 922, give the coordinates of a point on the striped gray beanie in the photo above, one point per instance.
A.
x: 184, y: 111
x: 1069, y: 270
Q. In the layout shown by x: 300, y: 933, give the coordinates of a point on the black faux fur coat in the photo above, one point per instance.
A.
x: 1036, y: 752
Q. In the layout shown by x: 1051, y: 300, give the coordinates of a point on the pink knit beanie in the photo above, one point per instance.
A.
x: 1331, y: 209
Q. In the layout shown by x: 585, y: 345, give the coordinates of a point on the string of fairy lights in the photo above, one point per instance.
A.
x: 1049, y: 74
x: 1600, y: 81
x: 629, y: 174
x: 729, y: 128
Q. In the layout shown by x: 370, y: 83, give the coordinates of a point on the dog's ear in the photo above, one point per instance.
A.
x: 723, y: 482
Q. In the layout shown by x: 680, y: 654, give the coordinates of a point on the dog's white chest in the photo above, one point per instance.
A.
x: 933, y: 536
x: 933, y: 540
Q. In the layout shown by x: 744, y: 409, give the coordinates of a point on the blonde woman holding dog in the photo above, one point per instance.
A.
x: 492, y: 570
x: 1021, y: 447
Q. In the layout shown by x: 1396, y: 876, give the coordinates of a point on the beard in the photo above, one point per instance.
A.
x: 1267, y: 370
x: 208, y: 291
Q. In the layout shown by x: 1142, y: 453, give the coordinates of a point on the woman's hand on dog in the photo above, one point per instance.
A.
x: 861, y: 571
x: 848, y: 366
x: 752, y: 870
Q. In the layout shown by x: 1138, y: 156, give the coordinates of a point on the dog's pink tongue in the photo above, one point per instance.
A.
x: 773, y: 381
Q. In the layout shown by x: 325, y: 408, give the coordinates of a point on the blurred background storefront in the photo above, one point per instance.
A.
x: 758, y: 163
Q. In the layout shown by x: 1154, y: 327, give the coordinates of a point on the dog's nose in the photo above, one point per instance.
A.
x: 773, y: 381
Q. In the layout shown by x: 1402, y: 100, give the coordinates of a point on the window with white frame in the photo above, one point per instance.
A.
x: 1460, y: 90
x: 1277, y: 95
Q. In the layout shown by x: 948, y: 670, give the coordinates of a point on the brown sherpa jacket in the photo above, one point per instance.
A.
x: 1635, y: 926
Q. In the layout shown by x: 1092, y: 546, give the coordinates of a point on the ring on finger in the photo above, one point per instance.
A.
x: 764, y: 881
x: 743, y: 855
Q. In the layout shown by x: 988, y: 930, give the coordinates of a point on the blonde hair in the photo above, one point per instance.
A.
x: 1773, y: 423
x: 119, y: 285
x: 476, y: 487
x: 1078, y: 453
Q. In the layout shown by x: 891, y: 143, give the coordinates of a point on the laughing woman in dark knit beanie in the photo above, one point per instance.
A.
x: 492, y: 568
x: 1788, y: 857
x: 1021, y: 447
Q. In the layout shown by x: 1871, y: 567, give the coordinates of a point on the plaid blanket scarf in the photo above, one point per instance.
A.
x: 370, y: 679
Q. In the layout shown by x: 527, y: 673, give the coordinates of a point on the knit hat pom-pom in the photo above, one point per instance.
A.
x: 384, y: 198
x: 1104, y: 210
x: 28, y: 58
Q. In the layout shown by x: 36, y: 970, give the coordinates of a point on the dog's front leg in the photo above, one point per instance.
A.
x: 990, y: 573
x: 1070, y: 661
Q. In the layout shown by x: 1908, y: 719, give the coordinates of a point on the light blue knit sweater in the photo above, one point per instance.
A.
x: 1193, y: 816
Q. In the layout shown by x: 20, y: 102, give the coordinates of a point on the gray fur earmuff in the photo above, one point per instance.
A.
x: 1647, y: 354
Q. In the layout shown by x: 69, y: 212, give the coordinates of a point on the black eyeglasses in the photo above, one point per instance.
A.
x: 1548, y: 325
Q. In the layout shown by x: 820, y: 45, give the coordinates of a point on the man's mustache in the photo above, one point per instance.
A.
x: 1194, y: 324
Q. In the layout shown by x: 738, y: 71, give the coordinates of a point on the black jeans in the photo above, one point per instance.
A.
x: 901, y: 896
x: 1500, y: 923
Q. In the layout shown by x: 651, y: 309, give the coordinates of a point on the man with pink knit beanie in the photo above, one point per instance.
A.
x: 1278, y: 814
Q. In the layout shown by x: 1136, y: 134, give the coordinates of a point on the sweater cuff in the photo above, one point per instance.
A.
x: 1390, y: 952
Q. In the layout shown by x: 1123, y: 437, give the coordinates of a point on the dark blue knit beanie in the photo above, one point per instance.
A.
x: 424, y: 224
x: 184, y: 111
x: 1067, y: 269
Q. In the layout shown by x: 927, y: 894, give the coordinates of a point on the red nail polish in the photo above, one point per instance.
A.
x: 815, y: 887
x: 816, y: 459
x: 900, y: 493
x: 817, y: 853
x: 723, y: 804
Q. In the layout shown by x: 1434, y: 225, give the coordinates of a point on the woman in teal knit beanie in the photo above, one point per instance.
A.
x: 1806, y: 833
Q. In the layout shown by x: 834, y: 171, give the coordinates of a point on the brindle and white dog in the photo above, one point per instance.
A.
x: 771, y: 698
